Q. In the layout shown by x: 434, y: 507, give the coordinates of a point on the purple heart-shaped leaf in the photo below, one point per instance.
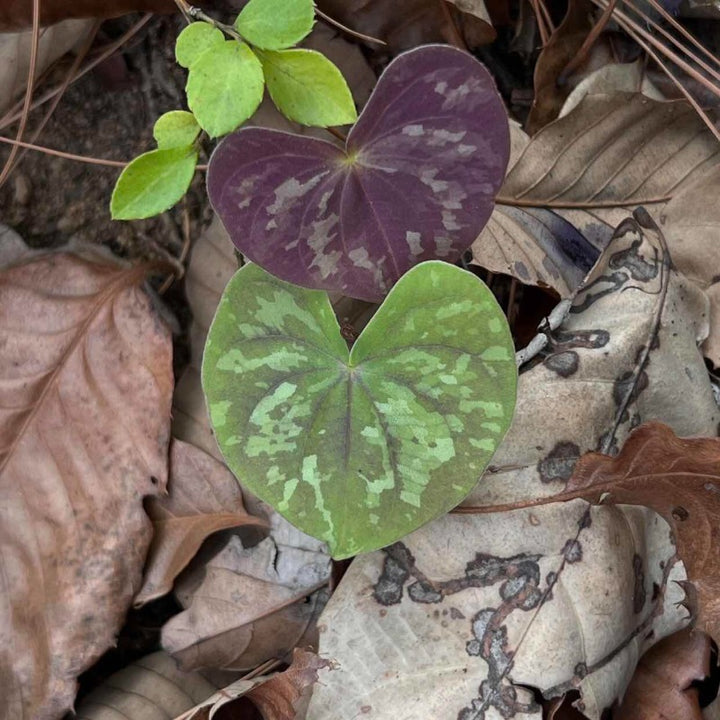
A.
x: 415, y: 182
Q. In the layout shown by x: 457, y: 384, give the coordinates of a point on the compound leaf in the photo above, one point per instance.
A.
x: 194, y: 40
x: 153, y: 183
x: 225, y: 87
x: 359, y: 448
x: 177, y: 128
x: 308, y: 88
x: 415, y: 182
x: 275, y: 24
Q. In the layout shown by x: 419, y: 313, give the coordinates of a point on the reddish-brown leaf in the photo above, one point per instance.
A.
x: 204, y: 497
x: 285, y: 696
x: 661, y: 688
x: 679, y: 478
x: 85, y: 390
x: 563, y: 45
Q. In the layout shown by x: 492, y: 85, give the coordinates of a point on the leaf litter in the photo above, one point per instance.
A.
x: 477, y: 614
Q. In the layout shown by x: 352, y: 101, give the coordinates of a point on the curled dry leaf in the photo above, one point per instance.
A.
x: 662, y: 687
x: 561, y: 48
x: 610, y: 79
x: 204, y: 497
x: 150, y: 688
x: 456, y: 616
x: 285, y: 696
x: 680, y: 479
x: 248, y: 605
x: 566, y: 192
x: 84, y: 427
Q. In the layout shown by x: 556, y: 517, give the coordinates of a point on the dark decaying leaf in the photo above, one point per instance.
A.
x: 662, y: 687
x: 417, y: 23
x: 85, y: 389
x: 416, y: 181
x: 679, y: 478
x: 204, y: 497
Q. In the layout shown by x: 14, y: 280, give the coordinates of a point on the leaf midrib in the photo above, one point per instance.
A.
x: 125, y: 279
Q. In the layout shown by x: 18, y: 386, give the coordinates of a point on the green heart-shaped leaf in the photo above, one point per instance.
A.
x: 194, y: 40
x: 360, y: 447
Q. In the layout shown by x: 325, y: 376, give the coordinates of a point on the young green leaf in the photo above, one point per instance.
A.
x: 275, y: 24
x: 194, y: 40
x: 177, y: 128
x: 225, y: 87
x: 308, y: 88
x: 360, y: 448
x: 153, y: 183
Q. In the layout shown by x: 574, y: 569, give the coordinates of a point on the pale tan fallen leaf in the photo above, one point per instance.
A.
x: 691, y: 223
x: 148, y: 689
x: 247, y: 605
x: 84, y: 428
x: 204, y: 498
x: 662, y: 687
x: 456, y: 616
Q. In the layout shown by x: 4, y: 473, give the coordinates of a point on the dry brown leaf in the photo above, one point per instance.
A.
x: 204, y: 497
x: 416, y: 23
x: 662, y: 687
x: 621, y: 149
x: 562, y: 47
x: 247, y: 605
x: 150, y: 688
x: 285, y: 696
x: 679, y: 478
x: 84, y: 427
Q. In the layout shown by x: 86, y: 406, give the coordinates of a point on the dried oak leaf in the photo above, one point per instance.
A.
x: 285, y: 696
x: 85, y: 390
x: 662, y: 687
x: 204, y: 497
x: 679, y: 478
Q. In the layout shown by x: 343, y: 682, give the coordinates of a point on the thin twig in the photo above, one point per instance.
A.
x: 345, y: 29
x: 540, y: 20
x: 62, y: 154
x: 28, y: 91
x: 82, y: 53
